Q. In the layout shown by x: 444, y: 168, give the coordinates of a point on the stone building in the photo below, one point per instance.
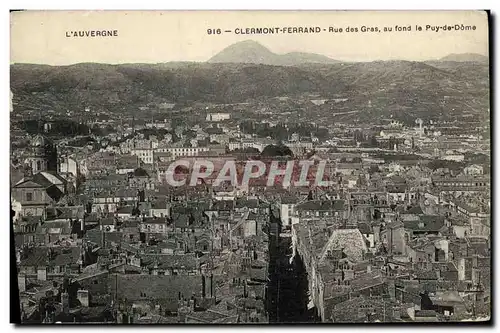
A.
x: 41, y: 155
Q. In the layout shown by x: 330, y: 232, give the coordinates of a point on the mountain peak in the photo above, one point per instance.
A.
x: 465, y: 57
x: 250, y: 51
x: 249, y: 42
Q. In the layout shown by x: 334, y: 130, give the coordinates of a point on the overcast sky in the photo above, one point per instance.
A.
x: 155, y: 36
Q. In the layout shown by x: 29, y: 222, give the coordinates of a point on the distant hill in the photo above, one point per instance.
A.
x: 251, y: 52
x: 465, y: 57
x: 402, y: 89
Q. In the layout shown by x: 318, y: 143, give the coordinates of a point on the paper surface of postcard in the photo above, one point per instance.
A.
x: 250, y: 167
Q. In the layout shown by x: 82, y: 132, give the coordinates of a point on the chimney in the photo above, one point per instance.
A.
x: 191, y: 304
x: 182, y: 313
x: 155, y: 268
x: 134, y: 318
x: 65, y: 302
x: 396, y: 313
x: 212, y: 286
x: 41, y: 273
x: 18, y: 256
x: 376, y: 234
x: 203, y: 286
x: 83, y: 297
x: 461, y: 269
x: 475, y: 276
x: 474, y: 261
x: 411, y: 312
x: 21, y: 282
x: 103, y: 238
x: 391, y: 288
x: 50, y: 254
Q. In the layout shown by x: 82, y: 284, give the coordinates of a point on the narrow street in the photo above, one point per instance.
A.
x: 287, y: 296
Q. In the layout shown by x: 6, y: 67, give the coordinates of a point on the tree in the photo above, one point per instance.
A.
x: 373, y: 141
x: 277, y: 150
x: 248, y: 150
x: 373, y: 169
x: 358, y: 136
x: 444, y: 164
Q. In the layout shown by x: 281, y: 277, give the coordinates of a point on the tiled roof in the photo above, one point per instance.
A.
x: 71, y: 212
x: 125, y: 210
x: 425, y: 313
x: 155, y: 220
x: 37, y: 256
x: 95, y: 236
x: 159, y: 204
x: 55, y: 227
x: 321, y: 205
x: 400, y: 188
x: 157, y: 319
x: 108, y: 221
x: 367, y: 280
x: 447, y: 296
x: 163, y: 288
x: 421, y: 274
x: 417, y: 210
x: 40, y: 256
x: 38, y: 179
x: 165, y: 261
x: 289, y: 200
x: 350, y: 240
x: 222, y: 205
x: 250, y: 203
x: 66, y: 256
x: 364, y: 228
x: 426, y: 223
x: 130, y: 224
x: 181, y: 220
x: 208, y: 316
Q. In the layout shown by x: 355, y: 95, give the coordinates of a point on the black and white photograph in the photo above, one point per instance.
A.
x: 250, y: 167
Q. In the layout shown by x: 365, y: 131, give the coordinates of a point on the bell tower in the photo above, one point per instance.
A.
x: 41, y: 155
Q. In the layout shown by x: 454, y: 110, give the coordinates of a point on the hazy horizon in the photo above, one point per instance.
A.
x: 206, y: 61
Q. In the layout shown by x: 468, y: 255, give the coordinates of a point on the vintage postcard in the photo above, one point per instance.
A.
x: 250, y: 167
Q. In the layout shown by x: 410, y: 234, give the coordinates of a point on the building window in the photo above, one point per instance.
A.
x: 29, y: 196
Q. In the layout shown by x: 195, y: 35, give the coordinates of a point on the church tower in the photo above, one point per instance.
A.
x: 41, y: 155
